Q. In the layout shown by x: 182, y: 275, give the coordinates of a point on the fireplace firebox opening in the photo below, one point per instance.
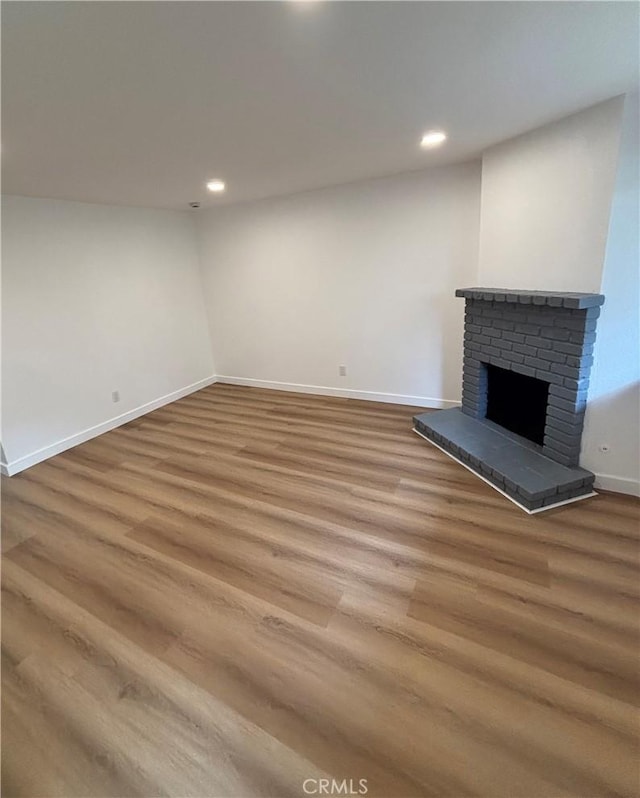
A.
x: 517, y: 402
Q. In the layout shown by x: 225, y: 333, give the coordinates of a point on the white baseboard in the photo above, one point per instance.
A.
x: 618, y: 484
x: 15, y: 466
x: 345, y: 393
x: 603, y: 481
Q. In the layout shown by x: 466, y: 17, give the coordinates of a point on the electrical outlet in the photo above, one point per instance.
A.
x: 342, y: 371
x: 115, y: 396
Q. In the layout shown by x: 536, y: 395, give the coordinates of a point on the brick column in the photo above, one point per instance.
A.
x: 546, y: 335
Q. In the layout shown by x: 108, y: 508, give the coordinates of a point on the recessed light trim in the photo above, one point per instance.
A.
x: 433, y: 138
x: 216, y: 185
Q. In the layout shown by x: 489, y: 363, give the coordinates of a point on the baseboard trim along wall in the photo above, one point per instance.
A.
x: 345, y: 393
x: 618, y: 484
x: 15, y: 466
x: 603, y: 481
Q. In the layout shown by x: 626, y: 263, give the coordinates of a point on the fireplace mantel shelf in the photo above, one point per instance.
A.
x: 555, y: 299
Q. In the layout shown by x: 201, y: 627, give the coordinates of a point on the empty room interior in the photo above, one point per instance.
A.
x: 320, y: 399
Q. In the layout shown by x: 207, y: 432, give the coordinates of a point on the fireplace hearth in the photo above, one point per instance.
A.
x: 527, y: 359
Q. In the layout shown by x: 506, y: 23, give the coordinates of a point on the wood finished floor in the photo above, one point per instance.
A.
x: 247, y: 589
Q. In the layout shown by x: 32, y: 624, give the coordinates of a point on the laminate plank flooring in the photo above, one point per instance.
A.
x: 247, y: 591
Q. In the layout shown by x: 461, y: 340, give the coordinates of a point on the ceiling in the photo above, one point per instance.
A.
x: 139, y: 103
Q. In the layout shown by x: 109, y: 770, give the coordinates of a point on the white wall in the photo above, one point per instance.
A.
x: 546, y: 219
x: 546, y: 198
x: 361, y: 275
x: 613, y: 412
x: 95, y: 299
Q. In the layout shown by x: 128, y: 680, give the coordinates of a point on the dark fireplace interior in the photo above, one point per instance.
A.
x: 517, y: 402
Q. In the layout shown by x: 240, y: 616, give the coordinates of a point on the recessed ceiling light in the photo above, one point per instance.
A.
x: 432, y: 138
x: 216, y: 185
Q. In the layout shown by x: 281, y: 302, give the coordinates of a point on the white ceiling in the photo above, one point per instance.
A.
x: 139, y: 103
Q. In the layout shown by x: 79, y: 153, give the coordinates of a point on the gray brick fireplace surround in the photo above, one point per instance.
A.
x: 538, y: 334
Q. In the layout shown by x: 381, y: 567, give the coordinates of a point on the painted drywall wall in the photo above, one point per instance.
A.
x: 613, y: 412
x: 546, y: 199
x: 548, y: 214
x: 361, y: 275
x: 96, y: 299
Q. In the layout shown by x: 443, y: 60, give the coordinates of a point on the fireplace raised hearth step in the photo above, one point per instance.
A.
x: 514, y: 465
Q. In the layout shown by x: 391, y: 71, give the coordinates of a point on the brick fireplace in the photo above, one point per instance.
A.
x: 527, y: 358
